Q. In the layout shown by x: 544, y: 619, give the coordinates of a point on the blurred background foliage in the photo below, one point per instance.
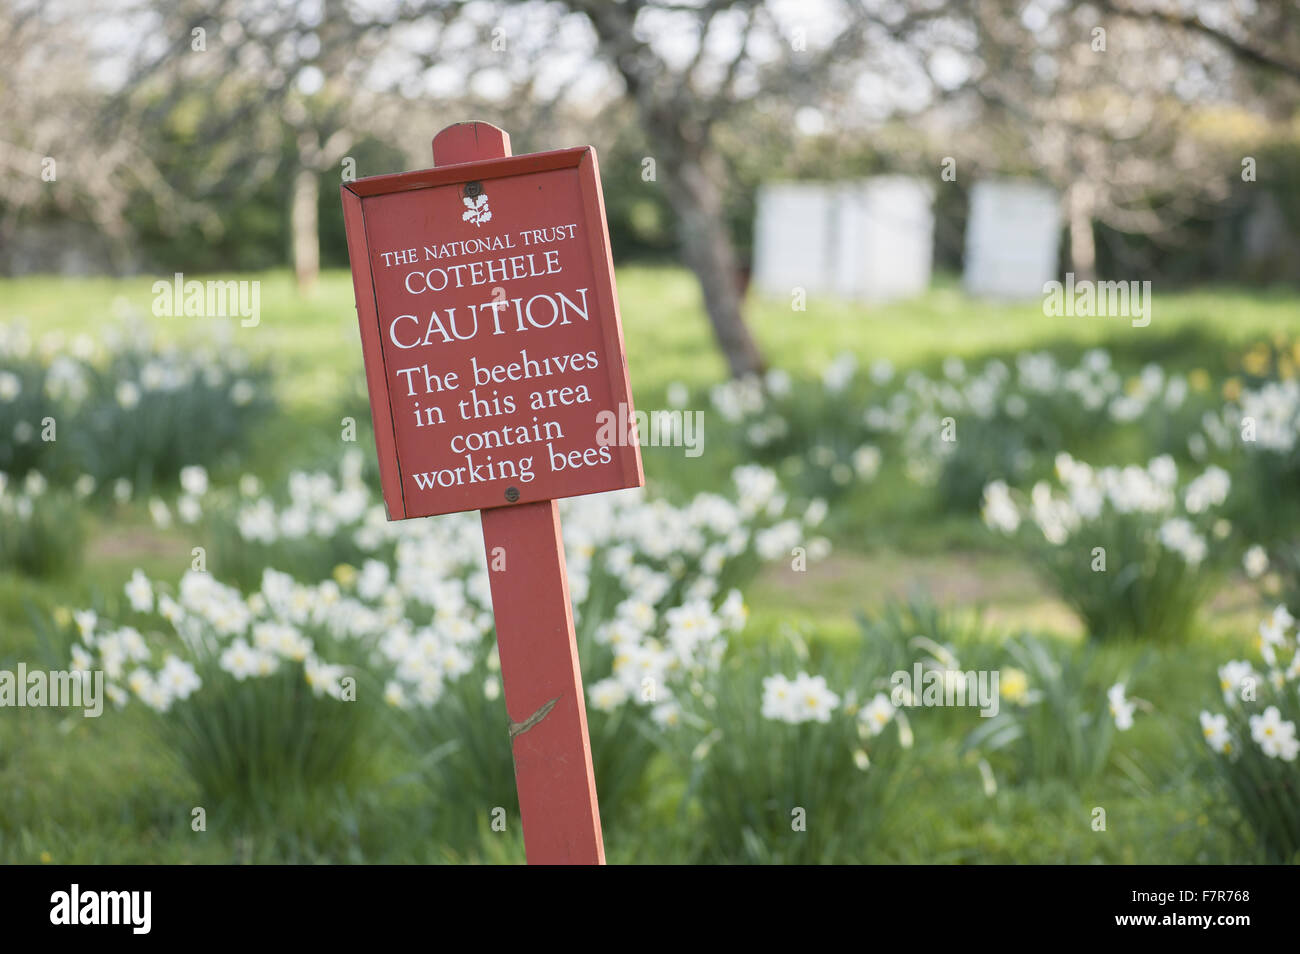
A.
x: 1210, y: 245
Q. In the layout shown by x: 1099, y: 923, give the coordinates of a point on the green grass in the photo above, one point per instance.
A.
x: 316, y: 346
x: 86, y: 790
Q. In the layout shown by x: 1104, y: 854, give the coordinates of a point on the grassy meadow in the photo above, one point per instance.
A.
x: 108, y: 790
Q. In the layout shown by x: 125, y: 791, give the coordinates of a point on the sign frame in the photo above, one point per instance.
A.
x: 627, y: 470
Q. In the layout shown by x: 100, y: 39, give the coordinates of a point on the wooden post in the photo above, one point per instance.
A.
x: 539, y: 652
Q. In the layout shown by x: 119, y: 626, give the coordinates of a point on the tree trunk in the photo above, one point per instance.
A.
x: 1083, y: 246
x: 693, y: 173
x: 306, y: 228
x: 706, y: 244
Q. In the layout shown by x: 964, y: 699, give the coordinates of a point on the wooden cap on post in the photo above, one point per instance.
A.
x: 466, y: 142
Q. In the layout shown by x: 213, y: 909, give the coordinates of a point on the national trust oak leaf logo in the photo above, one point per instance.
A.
x: 476, y: 209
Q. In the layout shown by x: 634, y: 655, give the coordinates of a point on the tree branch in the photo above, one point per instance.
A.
x: 1194, y: 24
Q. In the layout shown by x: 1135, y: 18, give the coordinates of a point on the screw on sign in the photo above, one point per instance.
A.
x: 491, y: 337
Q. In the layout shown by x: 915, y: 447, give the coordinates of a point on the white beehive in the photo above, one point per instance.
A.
x: 1013, y: 237
x: 793, y: 240
x: 870, y: 239
x: 885, y: 238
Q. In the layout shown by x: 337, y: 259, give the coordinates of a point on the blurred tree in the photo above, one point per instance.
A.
x: 1103, y: 109
x: 63, y: 152
x: 230, y: 118
x: 1261, y: 34
x: 286, y: 82
x: 1114, y: 108
x: 677, y: 103
x: 683, y: 69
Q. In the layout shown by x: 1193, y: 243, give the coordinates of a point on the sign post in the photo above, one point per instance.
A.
x: 493, y: 349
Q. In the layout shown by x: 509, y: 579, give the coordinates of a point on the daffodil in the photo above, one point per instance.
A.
x: 1215, y: 729
x: 1276, y: 737
x: 876, y: 714
x: 1014, y: 685
x: 1121, y: 709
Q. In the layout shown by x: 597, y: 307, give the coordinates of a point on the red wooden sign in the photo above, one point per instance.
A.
x: 490, y: 328
x: 491, y: 333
